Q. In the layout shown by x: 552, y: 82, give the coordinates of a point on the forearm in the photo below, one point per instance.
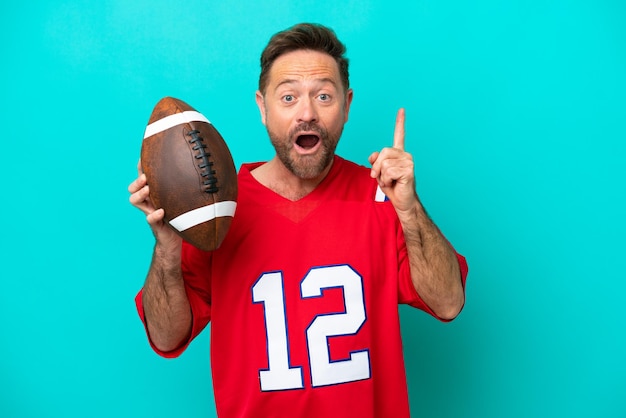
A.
x: 166, y: 306
x: 433, y: 263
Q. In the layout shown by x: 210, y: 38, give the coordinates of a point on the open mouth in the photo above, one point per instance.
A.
x: 307, y: 141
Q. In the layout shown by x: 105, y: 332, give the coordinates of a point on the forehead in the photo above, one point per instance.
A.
x: 304, y: 65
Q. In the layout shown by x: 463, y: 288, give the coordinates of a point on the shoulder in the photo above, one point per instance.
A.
x: 355, y: 179
x: 347, y: 166
x: 246, y: 168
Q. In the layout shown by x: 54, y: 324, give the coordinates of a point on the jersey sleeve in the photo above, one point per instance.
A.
x: 196, y: 275
x: 407, y: 294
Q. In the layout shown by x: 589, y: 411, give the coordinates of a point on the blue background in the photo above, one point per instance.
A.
x: 516, y: 119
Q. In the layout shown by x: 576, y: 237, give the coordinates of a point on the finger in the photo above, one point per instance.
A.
x: 140, y: 197
x: 372, y: 159
x: 137, y: 184
x: 398, y: 133
x: 378, y: 159
x: 155, y: 217
x: 394, y: 164
x: 139, y: 168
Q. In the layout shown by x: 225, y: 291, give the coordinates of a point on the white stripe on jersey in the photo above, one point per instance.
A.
x: 380, y: 196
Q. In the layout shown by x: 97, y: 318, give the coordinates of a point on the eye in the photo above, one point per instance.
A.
x: 288, y: 98
x: 324, y: 97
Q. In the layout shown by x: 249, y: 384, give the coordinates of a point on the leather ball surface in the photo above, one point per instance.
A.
x: 190, y: 172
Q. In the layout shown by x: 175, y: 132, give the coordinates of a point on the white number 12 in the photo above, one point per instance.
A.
x: 280, y: 375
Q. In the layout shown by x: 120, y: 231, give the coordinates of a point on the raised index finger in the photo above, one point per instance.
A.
x: 398, y: 133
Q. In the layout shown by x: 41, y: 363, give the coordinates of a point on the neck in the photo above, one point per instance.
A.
x: 278, y: 178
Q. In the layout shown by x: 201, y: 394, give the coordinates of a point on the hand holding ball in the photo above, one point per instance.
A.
x: 190, y: 172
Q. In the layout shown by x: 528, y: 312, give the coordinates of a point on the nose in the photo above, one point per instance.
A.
x: 307, y: 111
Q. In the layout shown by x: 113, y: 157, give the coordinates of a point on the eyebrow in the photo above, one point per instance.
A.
x: 318, y: 81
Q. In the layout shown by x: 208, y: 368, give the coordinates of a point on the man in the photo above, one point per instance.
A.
x: 303, y: 293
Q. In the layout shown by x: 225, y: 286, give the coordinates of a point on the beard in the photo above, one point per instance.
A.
x: 305, y: 166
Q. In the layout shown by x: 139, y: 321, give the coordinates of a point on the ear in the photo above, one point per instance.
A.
x: 347, y: 103
x: 260, y: 102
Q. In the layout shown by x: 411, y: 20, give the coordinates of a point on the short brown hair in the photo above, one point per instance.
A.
x: 311, y: 36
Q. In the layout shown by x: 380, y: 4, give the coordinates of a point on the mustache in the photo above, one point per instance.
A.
x: 308, y: 127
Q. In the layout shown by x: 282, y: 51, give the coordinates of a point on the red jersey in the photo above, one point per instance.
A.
x: 303, y: 299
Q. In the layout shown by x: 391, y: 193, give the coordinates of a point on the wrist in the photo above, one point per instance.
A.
x: 168, y: 254
x: 411, y: 213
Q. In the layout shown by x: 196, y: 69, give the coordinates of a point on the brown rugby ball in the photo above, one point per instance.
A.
x: 190, y: 172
